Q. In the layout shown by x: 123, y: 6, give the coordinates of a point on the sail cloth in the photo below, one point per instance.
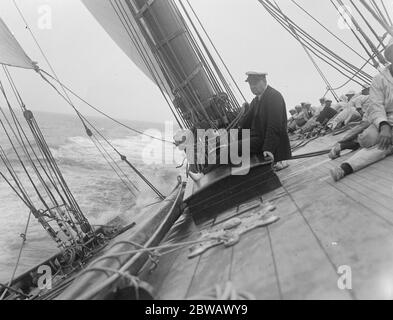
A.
x: 106, y: 12
x: 11, y: 53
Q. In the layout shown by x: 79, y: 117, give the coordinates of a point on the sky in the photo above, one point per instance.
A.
x: 87, y: 60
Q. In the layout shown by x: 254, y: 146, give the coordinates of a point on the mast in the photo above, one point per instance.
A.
x: 176, y: 56
x: 167, y: 36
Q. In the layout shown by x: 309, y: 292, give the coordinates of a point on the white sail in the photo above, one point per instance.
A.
x: 116, y: 24
x: 11, y: 53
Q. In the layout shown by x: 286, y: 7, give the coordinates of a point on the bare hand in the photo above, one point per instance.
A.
x: 246, y: 106
x: 385, y: 138
x: 268, y: 155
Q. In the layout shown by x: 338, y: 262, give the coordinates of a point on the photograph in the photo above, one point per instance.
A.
x: 196, y: 156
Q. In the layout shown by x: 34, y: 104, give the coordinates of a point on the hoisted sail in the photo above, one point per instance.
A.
x: 163, y: 41
x: 53, y: 204
x: 11, y: 53
x: 112, y: 17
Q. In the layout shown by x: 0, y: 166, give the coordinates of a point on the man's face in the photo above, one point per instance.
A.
x: 328, y: 103
x: 258, y: 86
x: 350, y: 96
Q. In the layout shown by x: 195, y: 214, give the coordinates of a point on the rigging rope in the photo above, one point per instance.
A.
x: 67, y: 98
x: 379, y: 20
x: 310, y: 42
x: 369, y: 26
x: 194, y: 111
x: 379, y: 11
x: 22, y: 137
x: 329, y: 86
x: 374, y: 50
x: 63, y: 217
x: 224, y: 82
x: 322, y: 53
x: 40, y: 48
x: 311, y: 155
x: 387, y: 13
x: 20, y: 196
x: 351, y: 79
x: 143, y: 51
x: 51, y: 163
x: 116, y: 168
x: 342, y: 14
x: 90, y: 134
x: 91, y: 293
x: 18, y: 155
x: 23, y: 236
x: 175, y: 70
x: 215, y: 49
x: 15, y: 178
x: 146, y: 58
x: 103, y: 113
x: 331, y: 33
x: 221, y: 76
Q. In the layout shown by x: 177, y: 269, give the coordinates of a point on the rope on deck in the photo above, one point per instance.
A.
x: 310, y: 155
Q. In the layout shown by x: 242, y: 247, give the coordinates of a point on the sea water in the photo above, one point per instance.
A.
x: 100, y: 193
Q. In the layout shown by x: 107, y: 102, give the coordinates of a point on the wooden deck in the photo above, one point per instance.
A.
x: 324, y: 225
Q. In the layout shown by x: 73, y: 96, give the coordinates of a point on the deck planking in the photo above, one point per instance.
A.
x: 213, y: 269
x: 183, y: 230
x: 351, y: 236
x: 174, y: 280
x: 244, y: 274
x: 298, y: 255
x: 324, y: 225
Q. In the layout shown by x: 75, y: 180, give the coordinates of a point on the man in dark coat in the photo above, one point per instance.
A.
x: 266, y: 117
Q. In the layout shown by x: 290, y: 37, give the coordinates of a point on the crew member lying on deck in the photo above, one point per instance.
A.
x: 360, y: 102
x: 318, y: 110
x: 347, y: 112
x: 300, y: 117
x: 292, y: 121
x: 377, y: 138
x: 312, y: 123
x: 307, y: 109
x: 354, y: 138
x: 266, y: 117
x: 327, y: 113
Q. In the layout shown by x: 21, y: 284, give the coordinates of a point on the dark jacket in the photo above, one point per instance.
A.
x: 326, y: 114
x: 267, y: 119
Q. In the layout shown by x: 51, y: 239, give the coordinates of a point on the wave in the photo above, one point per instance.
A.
x: 99, y: 192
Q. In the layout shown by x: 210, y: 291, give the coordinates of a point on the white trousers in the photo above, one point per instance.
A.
x: 370, y: 152
x: 344, y: 117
